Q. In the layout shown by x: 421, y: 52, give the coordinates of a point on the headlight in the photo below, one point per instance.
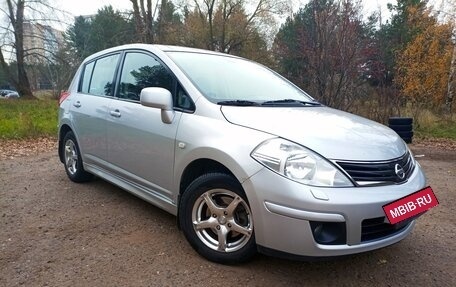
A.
x: 299, y: 164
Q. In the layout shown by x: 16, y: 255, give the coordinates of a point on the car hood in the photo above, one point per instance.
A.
x: 331, y: 133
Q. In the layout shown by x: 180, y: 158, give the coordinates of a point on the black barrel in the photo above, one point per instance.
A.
x: 403, y: 127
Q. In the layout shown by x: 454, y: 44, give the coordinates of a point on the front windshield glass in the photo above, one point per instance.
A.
x: 222, y: 78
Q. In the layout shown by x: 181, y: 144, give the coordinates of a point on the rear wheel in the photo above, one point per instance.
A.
x: 216, y: 219
x: 73, y: 160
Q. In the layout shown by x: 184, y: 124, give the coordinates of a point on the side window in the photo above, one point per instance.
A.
x: 103, y: 75
x: 86, y: 77
x: 140, y: 71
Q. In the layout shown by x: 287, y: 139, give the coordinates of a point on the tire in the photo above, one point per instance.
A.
x: 407, y: 140
x: 73, y: 160
x: 400, y: 121
x: 215, y: 217
x: 405, y: 134
x: 401, y: 128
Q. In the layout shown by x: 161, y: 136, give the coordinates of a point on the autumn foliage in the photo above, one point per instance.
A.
x: 370, y: 67
x: 423, y: 66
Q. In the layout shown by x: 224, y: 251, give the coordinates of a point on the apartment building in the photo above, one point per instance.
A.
x: 41, y: 42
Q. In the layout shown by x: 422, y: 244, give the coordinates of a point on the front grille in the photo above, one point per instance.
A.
x: 379, y: 172
x: 376, y: 228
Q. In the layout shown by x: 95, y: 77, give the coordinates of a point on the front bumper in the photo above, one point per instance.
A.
x: 285, y: 212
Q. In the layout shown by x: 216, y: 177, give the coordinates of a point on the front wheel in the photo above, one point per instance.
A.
x: 216, y: 219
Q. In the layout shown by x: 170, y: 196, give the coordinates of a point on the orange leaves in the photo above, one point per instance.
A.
x: 424, y: 64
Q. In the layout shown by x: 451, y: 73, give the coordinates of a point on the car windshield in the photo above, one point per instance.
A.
x: 232, y: 81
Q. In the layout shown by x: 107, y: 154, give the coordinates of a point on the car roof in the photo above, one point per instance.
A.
x: 155, y: 48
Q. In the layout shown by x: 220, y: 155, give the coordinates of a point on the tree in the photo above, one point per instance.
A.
x: 19, y: 12
x: 16, y: 20
x: 395, y: 35
x: 423, y: 65
x: 78, y: 38
x: 451, y: 91
x: 322, y: 48
x: 88, y: 35
x: 447, y: 13
x: 144, y: 15
x: 108, y: 28
x: 231, y: 26
x: 169, y: 26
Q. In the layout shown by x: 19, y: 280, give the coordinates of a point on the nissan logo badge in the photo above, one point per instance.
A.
x: 399, y: 171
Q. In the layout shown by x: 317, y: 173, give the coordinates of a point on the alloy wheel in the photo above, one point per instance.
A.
x: 71, y: 157
x: 222, y: 220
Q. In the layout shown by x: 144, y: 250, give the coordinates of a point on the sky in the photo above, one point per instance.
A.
x: 89, y: 7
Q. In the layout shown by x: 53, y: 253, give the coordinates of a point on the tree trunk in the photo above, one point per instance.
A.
x: 149, y: 22
x: 139, y: 26
x: 451, y: 83
x: 210, y: 11
x: 17, y: 21
x: 143, y: 17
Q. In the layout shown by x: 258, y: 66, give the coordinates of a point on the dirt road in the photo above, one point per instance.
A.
x: 57, y: 233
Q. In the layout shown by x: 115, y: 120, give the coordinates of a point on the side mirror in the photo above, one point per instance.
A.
x: 161, y: 99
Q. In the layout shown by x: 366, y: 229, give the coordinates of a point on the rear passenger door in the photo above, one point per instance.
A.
x: 140, y: 146
x: 90, y: 106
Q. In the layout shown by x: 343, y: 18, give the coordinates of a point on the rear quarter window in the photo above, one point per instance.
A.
x: 86, y: 76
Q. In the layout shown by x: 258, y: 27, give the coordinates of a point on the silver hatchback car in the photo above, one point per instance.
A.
x: 246, y: 160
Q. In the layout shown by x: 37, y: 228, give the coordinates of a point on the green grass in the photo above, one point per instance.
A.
x: 431, y: 124
x: 28, y: 118
x: 441, y: 129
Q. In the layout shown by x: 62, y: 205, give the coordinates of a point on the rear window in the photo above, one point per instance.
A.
x: 98, y: 76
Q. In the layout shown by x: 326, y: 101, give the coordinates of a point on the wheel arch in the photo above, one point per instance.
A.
x: 198, y: 168
x: 226, y: 159
x: 64, y: 129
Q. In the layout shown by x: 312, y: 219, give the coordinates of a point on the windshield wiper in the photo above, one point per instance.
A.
x: 290, y: 102
x: 242, y: 103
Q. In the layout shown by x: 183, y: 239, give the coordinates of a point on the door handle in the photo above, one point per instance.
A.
x: 115, y: 113
x: 77, y: 104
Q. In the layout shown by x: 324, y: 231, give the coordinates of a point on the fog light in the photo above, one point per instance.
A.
x: 329, y: 233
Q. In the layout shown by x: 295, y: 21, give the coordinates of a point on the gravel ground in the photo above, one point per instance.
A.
x: 58, y: 233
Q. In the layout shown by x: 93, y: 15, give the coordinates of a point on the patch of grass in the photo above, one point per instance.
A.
x: 434, y: 127
x: 28, y: 118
